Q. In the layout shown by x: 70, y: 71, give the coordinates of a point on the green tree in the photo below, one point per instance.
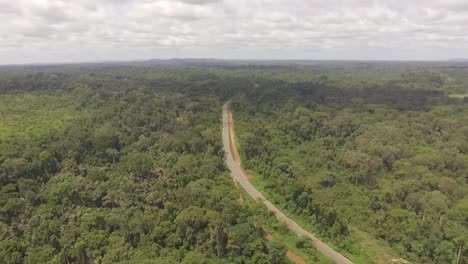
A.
x: 140, y: 165
x: 48, y: 162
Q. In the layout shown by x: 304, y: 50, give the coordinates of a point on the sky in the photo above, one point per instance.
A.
x: 50, y: 31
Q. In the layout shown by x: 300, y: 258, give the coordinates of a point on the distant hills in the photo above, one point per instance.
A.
x: 460, y: 59
x: 252, y: 63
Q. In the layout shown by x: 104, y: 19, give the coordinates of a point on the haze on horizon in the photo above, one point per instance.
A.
x: 47, y: 31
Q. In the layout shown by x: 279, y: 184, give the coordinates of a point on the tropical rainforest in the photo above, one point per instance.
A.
x: 123, y: 162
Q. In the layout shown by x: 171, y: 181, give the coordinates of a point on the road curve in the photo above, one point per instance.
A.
x: 238, y: 174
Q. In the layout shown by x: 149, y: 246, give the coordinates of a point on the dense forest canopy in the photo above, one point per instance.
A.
x: 123, y: 162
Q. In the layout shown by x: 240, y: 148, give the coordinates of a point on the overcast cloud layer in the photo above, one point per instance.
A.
x: 90, y: 30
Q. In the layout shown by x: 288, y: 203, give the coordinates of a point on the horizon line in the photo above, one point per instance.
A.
x: 108, y: 61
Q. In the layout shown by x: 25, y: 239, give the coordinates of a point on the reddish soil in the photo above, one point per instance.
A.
x: 268, y: 236
x: 289, y: 253
x: 295, y: 257
x: 235, y: 151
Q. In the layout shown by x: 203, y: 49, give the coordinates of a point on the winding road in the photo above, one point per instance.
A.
x: 238, y: 174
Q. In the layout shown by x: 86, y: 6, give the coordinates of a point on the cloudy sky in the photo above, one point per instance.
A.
x: 93, y: 30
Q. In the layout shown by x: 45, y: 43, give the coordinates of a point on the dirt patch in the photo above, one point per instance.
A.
x: 235, y: 151
x: 232, y: 138
x: 267, y: 235
x: 247, y: 176
x: 295, y: 257
x: 289, y: 253
x: 241, y: 200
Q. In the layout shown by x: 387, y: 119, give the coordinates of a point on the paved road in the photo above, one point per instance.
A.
x: 238, y: 175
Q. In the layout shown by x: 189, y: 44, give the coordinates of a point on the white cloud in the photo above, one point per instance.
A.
x: 59, y: 30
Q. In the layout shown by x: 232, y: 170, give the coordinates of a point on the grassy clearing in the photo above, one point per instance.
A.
x: 28, y: 115
x: 459, y: 96
x: 379, y: 250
